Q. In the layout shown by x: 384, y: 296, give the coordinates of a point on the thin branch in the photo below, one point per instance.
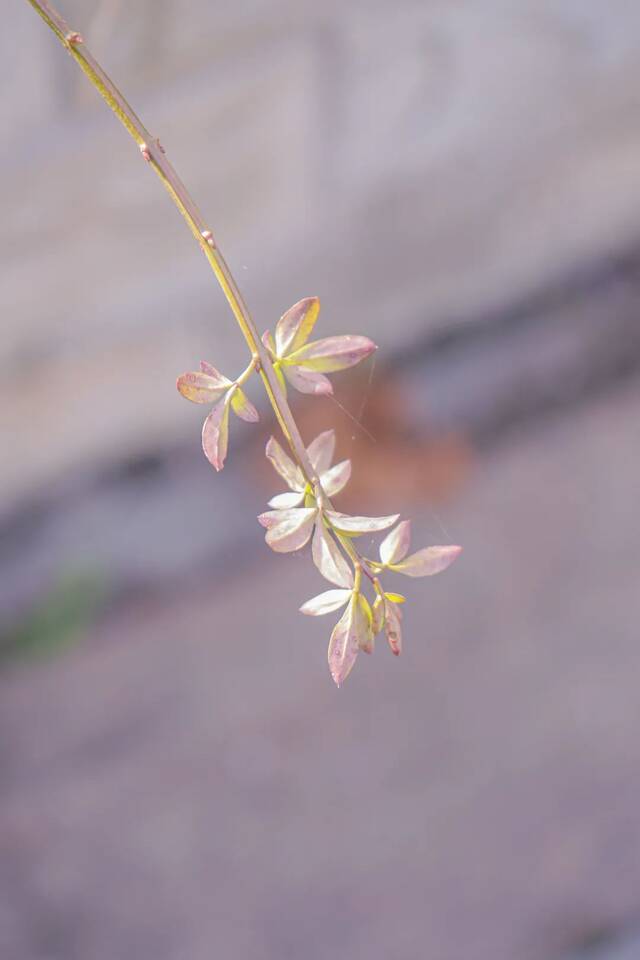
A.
x: 153, y: 152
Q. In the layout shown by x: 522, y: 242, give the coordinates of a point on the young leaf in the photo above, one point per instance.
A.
x: 320, y: 450
x: 285, y: 501
x: 292, y: 530
x: 215, y: 434
x: 328, y: 558
x: 243, y: 407
x: 396, y: 597
x: 294, y: 327
x: 284, y: 465
x: 308, y: 381
x: 202, y: 387
x: 377, y: 614
x: 396, y: 544
x: 345, y: 640
x: 325, y: 603
x: 332, y: 353
x: 365, y: 637
x: 336, y: 478
x: 357, y: 525
x: 393, y: 627
x: 426, y: 562
x: 212, y: 372
x: 268, y: 341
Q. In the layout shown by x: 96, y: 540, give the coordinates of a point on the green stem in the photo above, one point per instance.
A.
x: 153, y: 152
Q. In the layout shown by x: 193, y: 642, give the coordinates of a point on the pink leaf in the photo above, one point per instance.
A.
x: 377, y: 614
x: 325, y: 603
x: 201, y: 387
x: 365, y: 632
x: 292, y: 530
x: 336, y: 479
x: 288, y: 470
x: 393, y: 627
x: 320, y: 450
x: 267, y: 339
x: 332, y: 353
x: 395, y: 545
x: 215, y: 434
x: 284, y: 501
x: 294, y: 327
x: 308, y: 381
x: 212, y: 372
x: 343, y: 645
x: 426, y: 562
x: 328, y: 558
x: 242, y: 406
x: 357, y: 525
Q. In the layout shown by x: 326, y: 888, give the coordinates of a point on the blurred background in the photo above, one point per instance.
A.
x: 179, y: 777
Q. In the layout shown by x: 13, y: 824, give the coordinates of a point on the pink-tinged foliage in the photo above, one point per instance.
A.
x: 427, y: 562
x: 202, y: 387
x: 294, y: 327
x: 304, y: 512
x: 304, y: 364
x: 284, y: 465
x: 336, y: 478
x: 325, y: 603
x: 396, y: 544
x: 328, y: 558
x: 243, y: 407
x: 290, y: 530
x: 350, y: 634
x: 393, y: 626
x: 355, y: 526
x: 321, y: 450
x: 307, y: 503
x: 208, y: 385
x: 215, y: 434
x: 332, y: 353
x: 308, y: 381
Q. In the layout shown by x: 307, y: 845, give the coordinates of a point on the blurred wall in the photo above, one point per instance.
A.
x: 413, y: 164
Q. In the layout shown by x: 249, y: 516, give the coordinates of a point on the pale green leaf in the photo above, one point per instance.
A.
x: 395, y: 597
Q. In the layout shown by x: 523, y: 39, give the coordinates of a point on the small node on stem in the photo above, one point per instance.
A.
x: 144, y: 150
x: 160, y: 147
x: 73, y: 38
x: 207, y: 236
x: 257, y: 366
